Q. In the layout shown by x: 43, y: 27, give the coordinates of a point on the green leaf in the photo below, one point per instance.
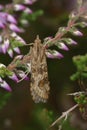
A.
x: 15, y: 43
x: 33, y: 16
x: 81, y: 65
x: 5, y: 72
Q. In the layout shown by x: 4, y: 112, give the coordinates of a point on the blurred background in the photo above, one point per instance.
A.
x: 20, y: 112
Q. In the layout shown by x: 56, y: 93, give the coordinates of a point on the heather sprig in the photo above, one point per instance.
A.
x: 80, y: 62
x: 11, y: 25
x: 60, y: 40
x: 11, y: 41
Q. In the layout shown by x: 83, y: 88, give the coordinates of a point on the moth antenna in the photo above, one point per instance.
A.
x: 23, y: 77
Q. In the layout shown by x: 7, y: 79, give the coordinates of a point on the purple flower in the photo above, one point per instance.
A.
x: 62, y: 46
x: 19, y: 7
x: 29, y: 1
x: 15, y: 28
x: 1, y: 7
x: 70, y: 41
x: 28, y: 11
x: 11, y: 19
x: 22, y: 75
x: 14, y: 77
x: 18, y: 38
x: 78, y: 33
x: 17, y: 50
x: 4, y: 85
x: 10, y: 52
x: 2, y: 25
x: 3, y: 17
x: 53, y: 54
x: 4, y: 46
x: 6, y: 43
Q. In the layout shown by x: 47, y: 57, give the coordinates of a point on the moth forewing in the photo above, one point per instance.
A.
x: 39, y: 76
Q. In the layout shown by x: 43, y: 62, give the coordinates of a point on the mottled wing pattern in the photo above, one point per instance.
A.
x: 39, y: 76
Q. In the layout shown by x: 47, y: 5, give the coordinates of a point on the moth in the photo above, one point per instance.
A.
x: 39, y: 86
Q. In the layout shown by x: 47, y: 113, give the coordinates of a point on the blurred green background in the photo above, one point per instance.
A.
x: 20, y: 112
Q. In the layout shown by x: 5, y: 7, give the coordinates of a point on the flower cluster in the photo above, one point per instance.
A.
x: 16, y: 75
x: 10, y: 25
x: 76, y: 19
x: 10, y: 41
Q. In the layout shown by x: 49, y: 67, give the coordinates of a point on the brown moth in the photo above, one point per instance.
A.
x: 39, y: 86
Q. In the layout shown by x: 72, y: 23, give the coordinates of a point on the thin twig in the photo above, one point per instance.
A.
x: 13, y: 65
x: 76, y: 93
x: 64, y: 114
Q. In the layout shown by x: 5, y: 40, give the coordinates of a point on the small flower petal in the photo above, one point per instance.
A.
x: 3, y: 14
x: 1, y: 7
x: 28, y: 2
x: 62, y: 46
x: 11, y: 19
x: 5, y: 86
x: 4, y: 48
x: 28, y: 11
x: 69, y: 41
x: 73, y: 42
x: 17, y: 50
x: 78, y: 33
x: 20, y: 40
x: 14, y: 28
x: 54, y: 54
x: 26, y: 78
x: 10, y: 52
x: 19, y: 7
x: 6, y: 43
x: 2, y: 25
x: 14, y: 77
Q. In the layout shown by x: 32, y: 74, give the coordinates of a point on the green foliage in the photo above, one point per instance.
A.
x: 43, y: 117
x: 15, y: 43
x: 33, y: 16
x: 5, y: 72
x: 3, y: 98
x: 81, y: 65
x: 81, y: 99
